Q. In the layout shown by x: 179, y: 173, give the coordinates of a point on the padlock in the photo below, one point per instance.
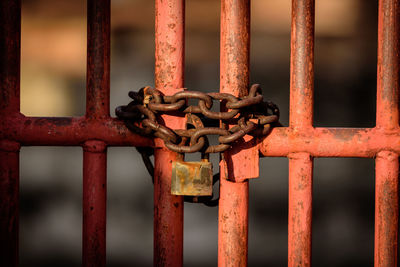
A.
x: 193, y: 178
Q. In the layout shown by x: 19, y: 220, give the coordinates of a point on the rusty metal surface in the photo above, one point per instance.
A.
x: 94, y: 155
x: 192, y: 178
x: 46, y: 131
x: 301, y: 119
x: 302, y: 64
x: 320, y: 142
x: 387, y: 120
x: 168, y: 213
x: 386, y: 209
x: 300, y: 209
x: 10, y: 46
x: 9, y: 202
x: 10, y: 54
x: 94, y: 203
x: 233, y: 223
x: 330, y: 142
x: 241, y: 162
x: 169, y: 69
x: 98, y: 59
x: 300, y: 142
x: 387, y: 110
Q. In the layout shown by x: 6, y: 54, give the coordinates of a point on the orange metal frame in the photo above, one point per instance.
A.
x: 300, y: 142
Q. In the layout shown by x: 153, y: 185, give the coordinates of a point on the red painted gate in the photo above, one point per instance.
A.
x: 300, y: 142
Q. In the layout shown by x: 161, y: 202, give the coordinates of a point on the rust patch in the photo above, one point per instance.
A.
x: 27, y: 122
x: 346, y: 135
x: 191, y: 178
x: 53, y: 121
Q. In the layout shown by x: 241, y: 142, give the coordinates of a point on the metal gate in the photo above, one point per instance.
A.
x: 300, y: 142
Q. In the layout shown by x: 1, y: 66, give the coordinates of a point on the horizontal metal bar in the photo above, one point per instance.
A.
x: 319, y: 142
x: 68, y: 131
x: 330, y: 142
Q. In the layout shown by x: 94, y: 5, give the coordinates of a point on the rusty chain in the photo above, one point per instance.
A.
x: 248, y: 115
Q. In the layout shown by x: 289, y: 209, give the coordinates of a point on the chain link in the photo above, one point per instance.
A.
x: 247, y: 115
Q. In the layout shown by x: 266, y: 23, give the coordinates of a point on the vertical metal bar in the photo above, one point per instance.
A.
x: 98, y: 59
x: 234, y: 79
x: 301, y: 118
x: 387, y: 119
x: 235, y: 46
x: 94, y: 203
x: 243, y: 160
x: 94, y: 156
x: 168, y: 214
x: 302, y: 64
x: 233, y: 223
x: 386, y: 209
x: 9, y: 202
x: 300, y: 209
x: 169, y: 68
x: 387, y: 109
x: 10, y: 50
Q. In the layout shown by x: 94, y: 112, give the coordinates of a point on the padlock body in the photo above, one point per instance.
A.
x: 192, y: 178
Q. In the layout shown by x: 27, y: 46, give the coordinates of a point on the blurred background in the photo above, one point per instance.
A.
x: 53, y: 84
